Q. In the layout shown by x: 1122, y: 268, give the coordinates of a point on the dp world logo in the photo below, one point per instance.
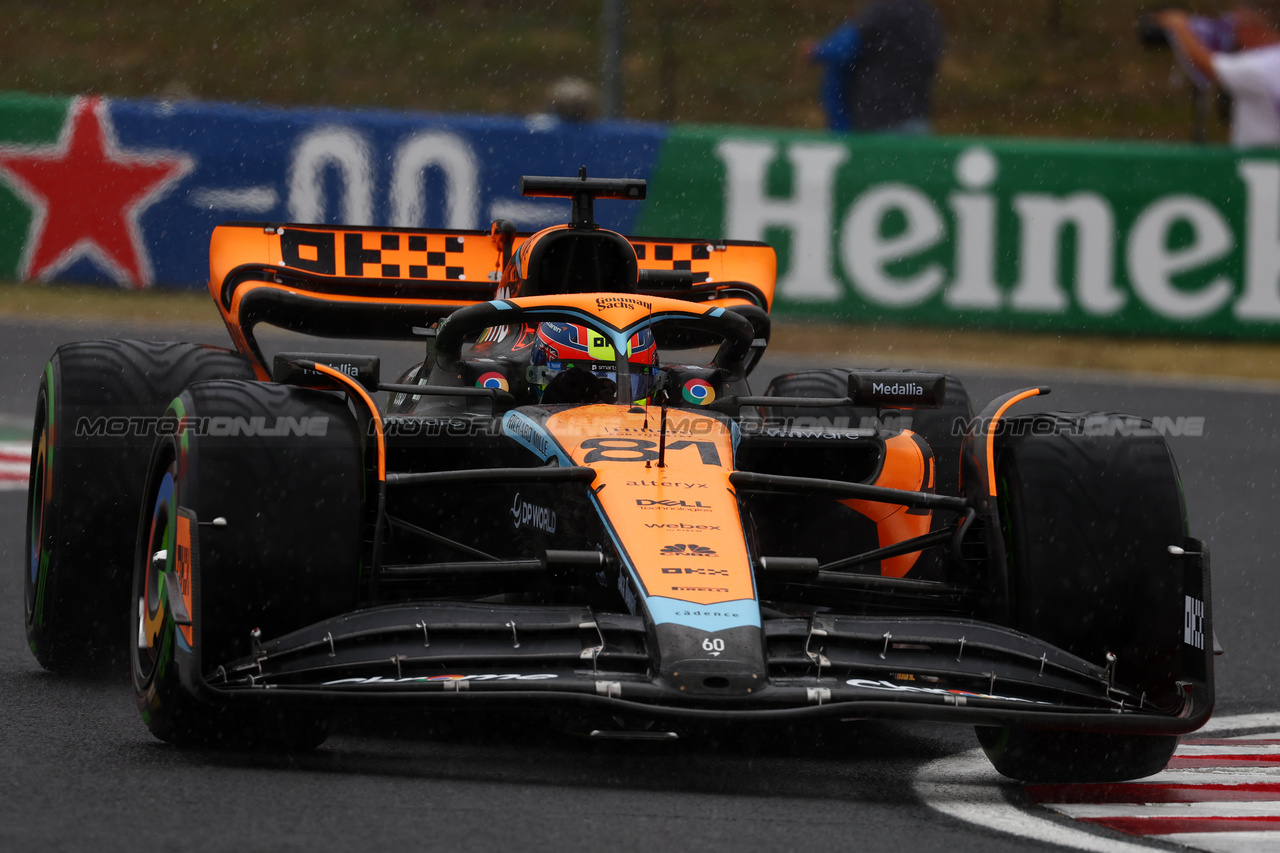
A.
x: 688, y: 551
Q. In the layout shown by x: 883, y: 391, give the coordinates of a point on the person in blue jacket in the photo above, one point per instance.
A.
x: 879, y: 68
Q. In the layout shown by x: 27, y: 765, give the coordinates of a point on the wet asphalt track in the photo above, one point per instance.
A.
x: 78, y: 770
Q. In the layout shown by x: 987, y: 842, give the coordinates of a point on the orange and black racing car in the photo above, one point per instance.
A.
x: 574, y: 502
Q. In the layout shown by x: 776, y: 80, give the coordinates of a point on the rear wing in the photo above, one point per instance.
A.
x: 394, y: 283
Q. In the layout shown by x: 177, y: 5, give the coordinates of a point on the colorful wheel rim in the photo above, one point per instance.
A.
x: 159, y: 555
x: 37, y: 505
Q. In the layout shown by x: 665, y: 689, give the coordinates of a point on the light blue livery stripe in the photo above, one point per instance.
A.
x: 528, y: 433
x: 705, y: 617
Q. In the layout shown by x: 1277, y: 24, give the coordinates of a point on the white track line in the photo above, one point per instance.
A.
x: 1226, y: 842
x: 1244, y: 748
x: 1251, y: 723
x: 1228, y: 809
x: 968, y: 788
x: 1211, y: 776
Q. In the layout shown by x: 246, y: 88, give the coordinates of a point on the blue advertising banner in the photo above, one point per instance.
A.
x: 130, y: 191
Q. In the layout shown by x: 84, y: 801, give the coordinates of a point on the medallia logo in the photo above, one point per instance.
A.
x: 898, y: 389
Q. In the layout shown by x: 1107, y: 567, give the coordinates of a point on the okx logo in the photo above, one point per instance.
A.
x: 688, y: 551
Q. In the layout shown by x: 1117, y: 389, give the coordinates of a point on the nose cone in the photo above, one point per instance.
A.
x: 727, y: 663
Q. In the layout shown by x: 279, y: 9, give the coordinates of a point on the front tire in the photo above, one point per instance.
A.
x: 272, y: 535
x: 1044, y: 755
x: 1089, y: 511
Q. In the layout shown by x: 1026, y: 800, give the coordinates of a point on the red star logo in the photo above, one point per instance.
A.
x: 87, y: 195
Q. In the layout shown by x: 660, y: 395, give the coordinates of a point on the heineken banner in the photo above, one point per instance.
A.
x: 1014, y: 234
x: 998, y: 233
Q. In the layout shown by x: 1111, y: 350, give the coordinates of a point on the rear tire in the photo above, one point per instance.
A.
x: 85, y: 489
x: 1088, y: 520
x: 286, y: 555
x: 941, y: 428
x: 936, y: 426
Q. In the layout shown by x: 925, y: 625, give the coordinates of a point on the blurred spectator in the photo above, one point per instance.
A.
x: 569, y: 99
x: 175, y: 91
x: 572, y: 99
x: 1250, y: 74
x: 879, y: 68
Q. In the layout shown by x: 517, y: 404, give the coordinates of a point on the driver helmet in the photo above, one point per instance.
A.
x: 569, y: 351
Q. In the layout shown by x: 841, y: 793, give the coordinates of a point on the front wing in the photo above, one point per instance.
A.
x: 922, y: 668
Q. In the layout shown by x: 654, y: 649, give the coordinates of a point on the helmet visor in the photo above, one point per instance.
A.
x: 644, y: 377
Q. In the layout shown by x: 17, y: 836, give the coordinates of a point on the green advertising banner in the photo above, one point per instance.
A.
x: 28, y: 120
x: 1126, y: 238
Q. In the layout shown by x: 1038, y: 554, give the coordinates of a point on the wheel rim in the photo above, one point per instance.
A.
x: 37, y: 552
x: 154, y: 559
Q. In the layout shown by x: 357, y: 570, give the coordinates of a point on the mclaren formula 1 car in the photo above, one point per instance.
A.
x: 575, y: 502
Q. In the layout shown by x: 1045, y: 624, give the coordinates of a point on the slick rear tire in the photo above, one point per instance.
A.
x: 257, y: 531
x: 941, y: 429
x: 1088, y: 519
x: 89, y: 452
x: 936, y: 426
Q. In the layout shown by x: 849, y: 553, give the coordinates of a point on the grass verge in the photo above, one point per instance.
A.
x: 959, y: 348
x: 850, y: 344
